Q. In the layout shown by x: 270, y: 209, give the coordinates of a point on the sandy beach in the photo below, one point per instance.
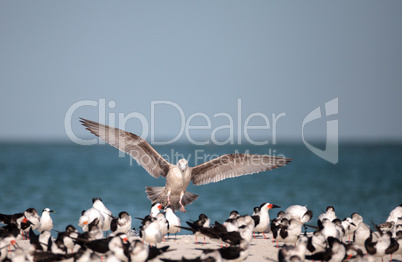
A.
x: 184, y: 246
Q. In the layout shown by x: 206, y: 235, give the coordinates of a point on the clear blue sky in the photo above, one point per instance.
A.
x: 203, y: 56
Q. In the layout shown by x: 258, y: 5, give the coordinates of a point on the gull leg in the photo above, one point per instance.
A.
x: 168, y: 195
x: 182, y: 209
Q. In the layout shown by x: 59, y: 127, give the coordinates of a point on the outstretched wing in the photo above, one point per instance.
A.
x: 131, y: 144
x: 234, y: 165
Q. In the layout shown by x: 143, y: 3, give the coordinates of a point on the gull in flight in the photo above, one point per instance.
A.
x: 179, y: 176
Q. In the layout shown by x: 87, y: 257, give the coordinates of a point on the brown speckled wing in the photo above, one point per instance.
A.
x: 132, y: 145
x: 234, y: 165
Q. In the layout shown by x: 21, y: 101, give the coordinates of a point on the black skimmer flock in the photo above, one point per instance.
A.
x: 328, y: 243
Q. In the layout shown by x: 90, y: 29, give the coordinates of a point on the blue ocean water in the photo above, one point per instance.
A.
x: 65, y: 177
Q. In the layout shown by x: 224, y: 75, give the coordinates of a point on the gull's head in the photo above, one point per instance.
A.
x: 47, y: 210
x: 182, y: 165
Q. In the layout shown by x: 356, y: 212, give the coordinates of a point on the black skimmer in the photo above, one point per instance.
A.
x: 100, y: 246
x: 94, y: 230
x: 163, y: 224
x: 348, y: 226
x: 329, y: 214
x: 173, y: 220
x: 65, y: 240
x: 262, y: 221
x: 12, y: 219
x: 45, y: 237
x: 9, y: 229
x: 330, y: 229
x: 233, y: 253
x: 139, y: 251
x: 361, y: 234
x: 218, y: 232
x: 119, y: 248
x: 317, y: 243
x: 37, y: 253
x: 121, y: 224
x: 6, y: 241
x: 31, y: 215
x: 155, y: 209
x: 398, y: 225
x: 203, y: 221
x: 71, y: 233
x: 179, y: 176
x: 107, y: 214
x: 294, y: 253
x: 256, y: 211
x: 279, y: 224
x: 13, y: 223
x: 384, y: 245
x: 276, y: 223
x: 340, y: 226
x: 387, y: 226
x: 150, y: 231
x: 160, y: 217
x: 246, y: 220
x: 88, y: 216
x: 301, y: 213
x: 234, y: 214
x: 395, y: 214
x: 398, y: 238
x: 335, y: 252
x: 290, y: 234
x: 356, y: 219
x: 231, y: 224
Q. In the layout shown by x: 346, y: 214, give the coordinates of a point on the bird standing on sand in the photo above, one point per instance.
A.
x: 329, y: 214
x: 150, y: 231
x: 107, y: 214
x: 89, y: 215
x: 395, y: 214
x: 31, y: 220
x: 301, y: 213
x: 121, y: 224
x: 288, y: 253
x: 179, y: 176
x: 174, y: 221
x: 262, y: 220
x: 290, y: 233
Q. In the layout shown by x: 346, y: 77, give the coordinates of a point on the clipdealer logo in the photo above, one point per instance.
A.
x: 237, y: 128
x: 332, y: 137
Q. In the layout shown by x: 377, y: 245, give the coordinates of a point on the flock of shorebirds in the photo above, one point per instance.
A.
x: 333, y: 239
x: 123, y: 243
